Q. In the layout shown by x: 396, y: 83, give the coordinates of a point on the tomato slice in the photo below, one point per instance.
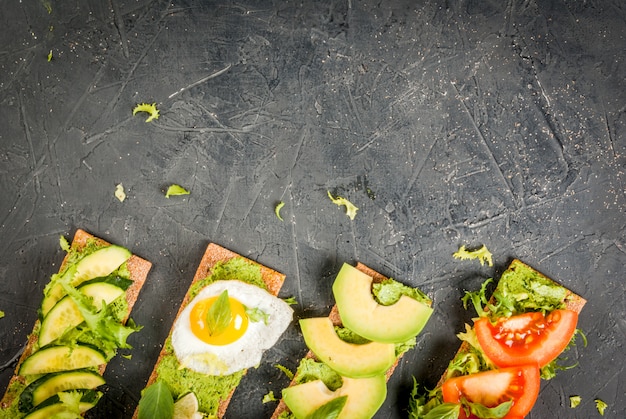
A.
x: 526, y: 338
x: 491, y: 388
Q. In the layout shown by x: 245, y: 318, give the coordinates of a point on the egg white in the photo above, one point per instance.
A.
x: 246, y: 352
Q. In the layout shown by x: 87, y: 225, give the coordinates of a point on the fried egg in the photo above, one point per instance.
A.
x: 257, y: 321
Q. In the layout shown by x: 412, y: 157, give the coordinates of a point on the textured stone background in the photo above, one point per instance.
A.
x: 446, y: 123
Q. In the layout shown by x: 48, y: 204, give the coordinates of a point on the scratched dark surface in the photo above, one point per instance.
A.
x: 446, y: 123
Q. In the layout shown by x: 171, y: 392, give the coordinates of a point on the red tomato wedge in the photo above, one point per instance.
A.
x: 491, y: 388
x: 526, y: 338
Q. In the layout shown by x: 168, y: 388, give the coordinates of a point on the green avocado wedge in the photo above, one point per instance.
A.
x: 364, y: 397
x: 348, y: 359
x: 362, y: 314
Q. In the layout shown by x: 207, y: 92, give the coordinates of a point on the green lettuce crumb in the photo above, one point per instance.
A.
x: 176, y: 190
x: 601, y: 406
x: 351, y: 209
x: 277, y: 209
x: 482, y: 254
x: 574, y: 401
x: 269, y: 397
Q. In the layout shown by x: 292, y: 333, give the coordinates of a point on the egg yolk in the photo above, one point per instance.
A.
x: 235, y: 329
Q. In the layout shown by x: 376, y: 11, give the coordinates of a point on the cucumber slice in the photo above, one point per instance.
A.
x: 53, y: 405
x: 118, y: 281
x: 61, y: 358
x: 50, y: 384
x: 102, y: 262
x: 65, y: 314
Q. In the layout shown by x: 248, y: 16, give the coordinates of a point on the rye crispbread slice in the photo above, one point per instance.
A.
x: 214, y: 254
x: 138, y: 269
x: 336, y: 320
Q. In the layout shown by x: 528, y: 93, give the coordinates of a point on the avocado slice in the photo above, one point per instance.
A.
x: 348, y: 359
x: 360, y: 312
x: 365, y: 396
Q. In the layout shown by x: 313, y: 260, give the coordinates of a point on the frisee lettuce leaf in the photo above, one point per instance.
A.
x: 150, y: 108
x: 269, y: 397
x: 422, y: 401
x: 482, y: 254
x: 156, y: 402
x: 65, y: 245
x: 471, y: 361
x: 102, y: 322
x: 285, y: 370
x: 351, y: 209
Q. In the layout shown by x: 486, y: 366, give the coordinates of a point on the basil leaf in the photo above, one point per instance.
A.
x: 444, y: 411
x: 330, y: 410
x: 482, y: 411
x: 219, y: 316
x: 156, y: 402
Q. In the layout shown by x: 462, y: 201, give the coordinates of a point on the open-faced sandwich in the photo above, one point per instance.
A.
x: 514, y: 343
x: 355, y: 349
x: 230, y: 315
x: 82, y: 324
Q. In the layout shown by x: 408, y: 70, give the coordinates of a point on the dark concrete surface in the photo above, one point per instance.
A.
x: 447, y: 123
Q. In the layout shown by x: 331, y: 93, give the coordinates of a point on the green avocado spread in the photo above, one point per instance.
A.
x: 209, y: 389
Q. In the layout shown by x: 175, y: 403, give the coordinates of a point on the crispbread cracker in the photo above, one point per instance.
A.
x: 138, y: 269
x: 572, y: 301
x: 214, y: 254
x: 336, y: 320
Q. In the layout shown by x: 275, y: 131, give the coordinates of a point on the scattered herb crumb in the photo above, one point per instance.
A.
x: 175, y: 190
x: 50, y: 56
x: 574, y: 401
x: 285, y: 370
x: 127, y: 356
x: 1, y: 314
x: 149, y: 108
x: 291, y: 301
x: 351, y: 209
x: 277, y: 209
x: 482, y: 254
x: 269, y: 397
x: 601, y: 406
x: 119, y: 192
x: 65, y: 245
